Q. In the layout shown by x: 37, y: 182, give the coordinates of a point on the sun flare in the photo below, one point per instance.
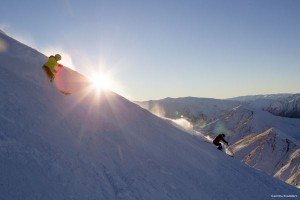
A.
x: 101, y: 81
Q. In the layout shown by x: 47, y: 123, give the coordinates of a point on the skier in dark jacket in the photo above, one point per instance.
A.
x: 217, y: 140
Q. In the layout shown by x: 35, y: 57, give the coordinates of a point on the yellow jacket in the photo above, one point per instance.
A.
x: 51, y: 64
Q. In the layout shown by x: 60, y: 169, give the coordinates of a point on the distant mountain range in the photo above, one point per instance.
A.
x: 285, y: 105
x: 263, y: 130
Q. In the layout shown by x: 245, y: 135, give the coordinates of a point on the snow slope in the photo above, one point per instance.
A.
x: 285, y: 105
x: 101, y: 146
x: 258, y: 138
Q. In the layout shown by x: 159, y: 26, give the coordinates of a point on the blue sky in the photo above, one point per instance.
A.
x: 168, y: 48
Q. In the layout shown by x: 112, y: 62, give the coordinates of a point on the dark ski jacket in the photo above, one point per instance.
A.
x: 217, y: 140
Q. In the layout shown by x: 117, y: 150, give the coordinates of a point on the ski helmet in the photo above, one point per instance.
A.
x: 223, y: 135
x: 57, y: 57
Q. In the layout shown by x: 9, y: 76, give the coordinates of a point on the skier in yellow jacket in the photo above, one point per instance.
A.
x: 51, y: 66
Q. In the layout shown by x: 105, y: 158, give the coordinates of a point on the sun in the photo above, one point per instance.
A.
x: 101, y: 81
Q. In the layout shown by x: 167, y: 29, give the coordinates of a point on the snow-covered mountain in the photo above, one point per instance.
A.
x: 258, y: 133
x: 285, y: 105
x: 102, y: 146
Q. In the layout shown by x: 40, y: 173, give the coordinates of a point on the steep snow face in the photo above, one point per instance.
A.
x: 285, y: 105
x: 257, y: 137
x: 263, y: 141
x: 2, y: 32
x: 91, y: 145
x: 288, y: 107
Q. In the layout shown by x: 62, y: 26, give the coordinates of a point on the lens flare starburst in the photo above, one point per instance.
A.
x: 101, y: 81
